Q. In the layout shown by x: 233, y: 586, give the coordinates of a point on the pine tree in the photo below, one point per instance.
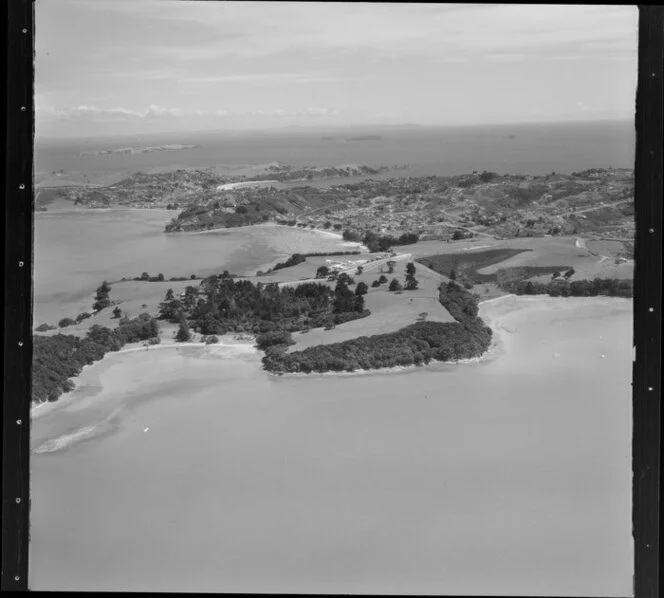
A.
x: 183, y: 335
x: 395, y: 285
x: 411, y: 282
x: 362, y: 288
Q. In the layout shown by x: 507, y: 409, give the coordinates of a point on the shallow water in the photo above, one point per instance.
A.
x: 511, y: 476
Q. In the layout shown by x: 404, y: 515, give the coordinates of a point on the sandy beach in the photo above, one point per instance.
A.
x: 518, y: 467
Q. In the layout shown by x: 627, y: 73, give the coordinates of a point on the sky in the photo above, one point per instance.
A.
x: 149, y: 66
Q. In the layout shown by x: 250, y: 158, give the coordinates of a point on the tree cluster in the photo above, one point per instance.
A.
x: 561, y: 287
x: 411, y: 281
x: 102, y: 298
x: 145, y: 277
x: 380, y: 280
x: 375, y: 242
x: 416, y: 344
x: 56, y: 359
x: 223, y: 304
x: 293, y: 260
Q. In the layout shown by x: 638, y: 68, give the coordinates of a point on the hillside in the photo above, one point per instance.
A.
x: 485, y: 205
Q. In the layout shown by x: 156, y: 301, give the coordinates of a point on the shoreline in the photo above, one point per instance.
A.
x: 326, y: 233
x: 86, y: 396
x: 494, y: 351
x: 39, y: 409
x: 499, y: 346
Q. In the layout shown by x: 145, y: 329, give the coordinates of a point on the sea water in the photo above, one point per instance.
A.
x: 511, y: 476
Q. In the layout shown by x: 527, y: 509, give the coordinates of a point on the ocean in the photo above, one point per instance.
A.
x: 515, y: 149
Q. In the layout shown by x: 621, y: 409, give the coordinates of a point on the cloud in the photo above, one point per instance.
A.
x: 269, y: 28
x: 153, y: 111
x: 299, y: 112
x: 85, y: 111
x: 585, y: 108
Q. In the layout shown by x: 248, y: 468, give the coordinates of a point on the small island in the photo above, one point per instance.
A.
x: 171, y: 147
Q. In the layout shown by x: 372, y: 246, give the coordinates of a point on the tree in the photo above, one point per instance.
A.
x: 570, y: 273
x: 453, y: 274
x: 361, y: 289
x: 411, y: 284
x: 457, y: 235
x: 359, y: 270
x: 555, y: 275
x: 390, y: 266
x: 183, y: 335
x: 66, y: 322
x: 169, y: 295
x: 160, y: 277
x: 327, y: 224
x: 270, y: 339
x: 411, y: 281
x: 343, y: 300
x: 382, y: 279
x: 358, y: 304
x: 375, y: 283
x: 322, y: 272
x: 395, y: 285
x: 101, y: 298
x: 145, y: 276
x: 117, y: 312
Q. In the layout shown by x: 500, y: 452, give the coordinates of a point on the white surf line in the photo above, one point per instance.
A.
x: 512, y: 295
x: 473, y: 248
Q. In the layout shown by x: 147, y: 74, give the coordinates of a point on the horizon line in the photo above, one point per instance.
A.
x: 314, y: 128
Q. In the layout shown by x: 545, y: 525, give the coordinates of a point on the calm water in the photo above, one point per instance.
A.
x: 507, y: 477
x: 75, y: 251
x: 525, y: 149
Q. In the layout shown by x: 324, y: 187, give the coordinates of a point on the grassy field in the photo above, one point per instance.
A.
x: 132, y: 297
x: 468, y: 264
x: 533, y: 258
x: 389, y: 311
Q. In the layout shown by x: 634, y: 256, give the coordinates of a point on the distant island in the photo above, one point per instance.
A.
x: 171, y: 147
x: 359, y: 138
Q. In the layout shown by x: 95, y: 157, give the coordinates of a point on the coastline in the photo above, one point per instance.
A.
x: 39, y: 409
x: 326, y: 233
x: 101, y: 399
